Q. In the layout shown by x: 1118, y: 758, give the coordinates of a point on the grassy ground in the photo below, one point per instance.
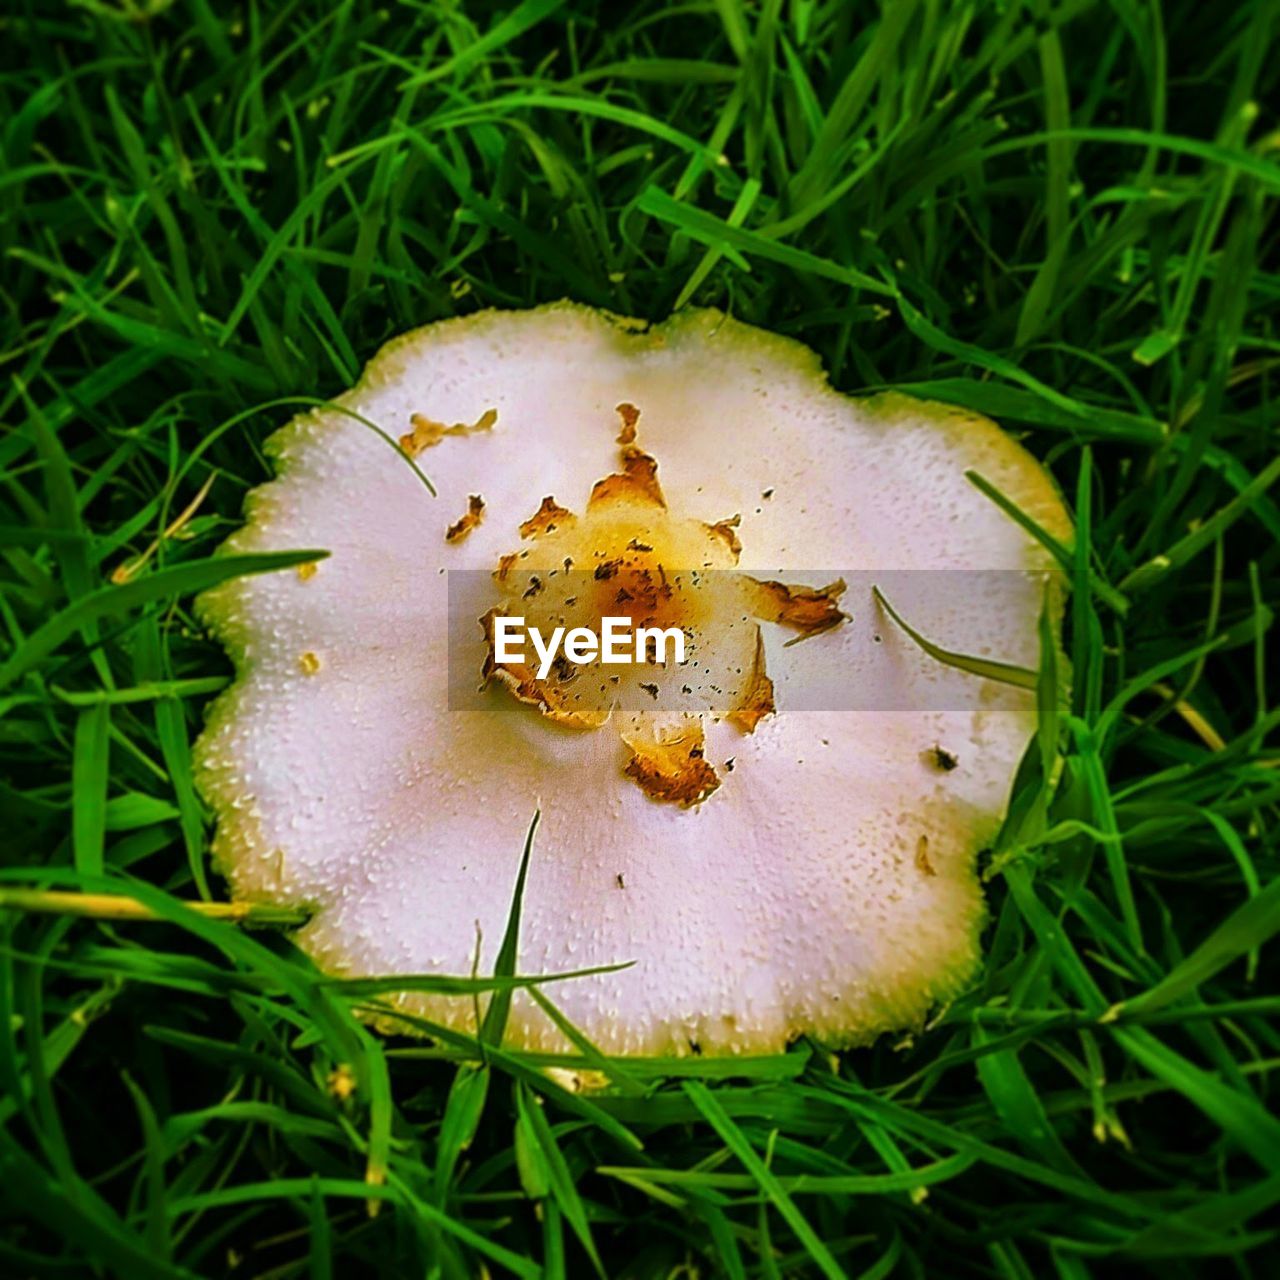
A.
x: 1057, y: 212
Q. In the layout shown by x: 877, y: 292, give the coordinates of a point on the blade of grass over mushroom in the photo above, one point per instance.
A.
x: 611, y: 1068
x: 1001, y: 672
x: 442, y: 983
x: 329, y: 406
x: 494, y: 1026
x: 185, y: 579
x: 1060, y: 552
x: 1064, y: 556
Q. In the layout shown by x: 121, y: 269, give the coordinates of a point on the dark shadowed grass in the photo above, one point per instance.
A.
x: 1062, y: 215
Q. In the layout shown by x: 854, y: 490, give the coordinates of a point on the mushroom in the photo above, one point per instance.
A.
x: 743, y: 831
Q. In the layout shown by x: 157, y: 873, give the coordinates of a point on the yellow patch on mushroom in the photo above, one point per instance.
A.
x: 307, y: 571
x: 675, y: 576
x: 463, y: 526
x: 427, y: 432
x: 672, y: 766
x: 309, y: 663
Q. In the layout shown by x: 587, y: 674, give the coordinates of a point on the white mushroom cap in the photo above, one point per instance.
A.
x: 827, y: 886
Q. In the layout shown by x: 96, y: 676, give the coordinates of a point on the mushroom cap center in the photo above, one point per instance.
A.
x: 646, y: 570
x: 691, y: 648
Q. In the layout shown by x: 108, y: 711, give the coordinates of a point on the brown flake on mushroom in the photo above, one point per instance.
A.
x: 522, y: 682
x: 672, y: 766
x: 805, y: 609
x: 426, y: 432
x: 549, y: 517
x: 463, y: 526
x: 940, y: 758
x: 637, y: 482
x: 727, y: 532
x: 922, y: 857
x: 757, y: 697
x: 630, y: 415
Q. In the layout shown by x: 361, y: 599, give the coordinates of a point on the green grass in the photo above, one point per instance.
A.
x: 1060, y: 213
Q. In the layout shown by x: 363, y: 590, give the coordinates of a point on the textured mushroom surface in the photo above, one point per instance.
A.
x: 778, y: 837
